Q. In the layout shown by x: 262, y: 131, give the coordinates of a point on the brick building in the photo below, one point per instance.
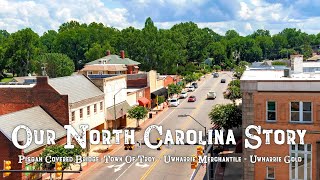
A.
x: 34, y: 118
x: 280, y: 100
x: 130, y: 66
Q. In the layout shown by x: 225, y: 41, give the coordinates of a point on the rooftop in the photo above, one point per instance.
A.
x: 114, y: 59
x: 77, y: 87
x: 104, y: 67
x: 278, y: 75
x: 36, y: 119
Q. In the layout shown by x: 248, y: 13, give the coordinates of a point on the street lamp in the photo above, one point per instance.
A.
x: 187, y: 115
x: 114, y: 104
x: 205, y: 130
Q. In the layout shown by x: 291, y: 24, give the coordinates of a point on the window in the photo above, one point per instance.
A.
x: 270, y: 173
x: 81, y: 113
x: 101, y: 106
x: 301, y: 111
x: 271, y: 111
x: 88, y: 110
x: 301, y: 170
x: 73, y: 116
x: 95, y: 108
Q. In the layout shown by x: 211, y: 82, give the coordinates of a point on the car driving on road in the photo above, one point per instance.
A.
x: 211, y: 95
x: 223, y: 81
x: 192, y: 99
x: 215, y: 75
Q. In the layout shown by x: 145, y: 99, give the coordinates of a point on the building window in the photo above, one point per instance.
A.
x: 101, y: 106
x: 271, y: 111
x: 88, y: 110
x: 73, y: 118
x: 301, y: 170
x: 270, y: 173
x: 301, y: 111
x: 81, y: 113
x: 95, y: 108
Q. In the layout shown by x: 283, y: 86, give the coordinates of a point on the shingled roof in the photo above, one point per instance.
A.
x: 114, y: 59
x: 34, y: 118
x: 77, y: 87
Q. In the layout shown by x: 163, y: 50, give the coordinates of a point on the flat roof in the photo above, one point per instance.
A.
x: 278, y: 75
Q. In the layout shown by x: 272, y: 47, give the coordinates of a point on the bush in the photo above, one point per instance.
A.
x: 161, y: 99
x: 279, y: 63
x: 217, y: 67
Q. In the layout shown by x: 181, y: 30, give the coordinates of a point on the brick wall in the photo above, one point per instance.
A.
x: 137, y: 83
x: 283, y: 100
x: 42, y: 94
x: 9, y: 152
x: 168, y: 80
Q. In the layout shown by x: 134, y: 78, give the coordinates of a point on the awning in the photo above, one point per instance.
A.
x: 143, y: 101
x: 121, y: 109
x: 160, y: 92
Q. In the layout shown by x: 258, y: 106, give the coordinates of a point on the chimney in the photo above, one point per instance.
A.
x: 108, y: 52
x: 296, y: 63
x: 122, y: 54
x: 42, y: 80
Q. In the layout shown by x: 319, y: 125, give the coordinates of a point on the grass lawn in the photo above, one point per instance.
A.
x: 6, y: 79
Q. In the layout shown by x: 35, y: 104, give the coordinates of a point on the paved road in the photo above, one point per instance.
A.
x: 158, y: 169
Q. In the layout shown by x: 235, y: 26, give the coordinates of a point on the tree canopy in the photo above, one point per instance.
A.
x: 178, y: 50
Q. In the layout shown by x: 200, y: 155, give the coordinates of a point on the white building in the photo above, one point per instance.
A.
x: 85, y: 100
x: 115, y: 96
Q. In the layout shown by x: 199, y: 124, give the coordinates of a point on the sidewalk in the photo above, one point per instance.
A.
x: 102, y: 150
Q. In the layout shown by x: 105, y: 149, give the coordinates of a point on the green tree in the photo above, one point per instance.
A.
x: 48, y: 40
x: 233, y: 93
x: 230, y: 34
x: 58, y: 151
x: 56, y: 65
x: 235, y: 82
x: 22, y: 47
x: 138, y: 113
x: 190, y: 78
x: 174, y: 89
x: 226, y: 115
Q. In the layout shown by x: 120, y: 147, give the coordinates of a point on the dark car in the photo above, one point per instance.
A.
x: 192, y: 99
x: 195, y: 85
x: 215, y: 75
x: 223, y: 81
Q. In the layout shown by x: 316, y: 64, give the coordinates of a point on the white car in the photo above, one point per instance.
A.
x: 174, y: 102
x: 183, y: 95
x: 211, y: 95
x: 191, y: 88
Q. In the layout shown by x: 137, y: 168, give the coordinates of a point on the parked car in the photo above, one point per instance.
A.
x: 195, y: 85
x: 191, y: 88
x: 192, y: 99
x: 215, y: 75
x: 223, y: 81
x: 183, y: 95
x: 174, y: 102
x: 211, y: 95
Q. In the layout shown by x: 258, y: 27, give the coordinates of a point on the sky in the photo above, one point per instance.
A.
x: 244, y: 16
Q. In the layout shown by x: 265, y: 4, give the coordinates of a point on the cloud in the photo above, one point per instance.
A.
x: 50, y: 14
x: 245, y: 16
